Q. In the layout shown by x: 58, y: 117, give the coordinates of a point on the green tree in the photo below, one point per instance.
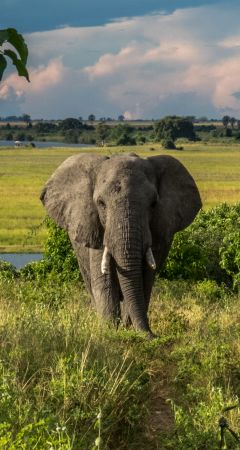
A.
x: 225, y: 121
x: 71, y: 136
x: 26, y: 118
x: 122, y: 135
x: 232, y: 121
x: 18, y: 56
x: 91, y: 118
x: 102, y: 131
x: 171, y: 128
x: 71, y: 124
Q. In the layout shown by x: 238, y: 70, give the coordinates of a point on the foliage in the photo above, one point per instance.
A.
x: 168, y: 143
x: 122, y: 134
x: 102, y: 132
x: 209, y: 248
x: 18, y: 56
x: 71, y: 124
x: 7, y: 271
x: 59, y: 261
x: 171, y: 128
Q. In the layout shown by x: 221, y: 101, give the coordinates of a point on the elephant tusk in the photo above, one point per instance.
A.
x: 105, y: 261
x: 150, y: 259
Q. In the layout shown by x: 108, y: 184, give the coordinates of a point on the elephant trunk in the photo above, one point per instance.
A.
x: 127, y: 252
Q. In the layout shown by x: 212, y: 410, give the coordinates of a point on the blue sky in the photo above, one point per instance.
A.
x: 35, y: 15
x: 144, y: 59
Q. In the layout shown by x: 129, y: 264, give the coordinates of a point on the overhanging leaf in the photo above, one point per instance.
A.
x: 3, y: 64
x: 3, y: 36
x: 16, y: 39
x: 21, y: 69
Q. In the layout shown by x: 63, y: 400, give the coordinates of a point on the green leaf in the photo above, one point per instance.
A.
x: 3, y: 64
x: 18, y: 42
x: 3, y: 36
x: 22, y: 71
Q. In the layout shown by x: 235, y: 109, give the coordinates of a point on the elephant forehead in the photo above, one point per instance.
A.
x: 124, y: 169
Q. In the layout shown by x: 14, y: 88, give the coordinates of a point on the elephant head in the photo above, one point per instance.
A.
x: 128, y: 207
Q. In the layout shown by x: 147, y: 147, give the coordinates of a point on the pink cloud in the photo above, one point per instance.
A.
x: 41, y: 79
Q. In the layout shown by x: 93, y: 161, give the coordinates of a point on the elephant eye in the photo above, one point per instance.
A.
x: 101, y: 203
x: 154, y: 202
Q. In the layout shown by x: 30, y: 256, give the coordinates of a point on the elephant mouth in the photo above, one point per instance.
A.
x: 107, y: 256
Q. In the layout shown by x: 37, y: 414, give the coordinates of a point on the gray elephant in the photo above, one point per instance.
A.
x: 121, y: 213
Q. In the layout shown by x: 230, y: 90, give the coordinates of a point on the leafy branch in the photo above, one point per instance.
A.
x: 18, y: 54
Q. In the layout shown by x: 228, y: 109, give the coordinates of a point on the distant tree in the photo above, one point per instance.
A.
x: 20, y: 136
x: 232, y: 121
x: 121, y: 118
x: 71, y: 124
x: 71, y: 136
x: 26, y: 118
x: 9, y: 137
x: 225, y: 121
x: 91, y: 118
x: 102, y: 131
x: 18, y: 56
x: 45, y: 127
x: 122, y: 135
x: 171, y: 128
x: 202, y: 119
x: 238, y: 124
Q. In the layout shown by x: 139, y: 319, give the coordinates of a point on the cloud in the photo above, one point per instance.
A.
x: 146, y: 66
x: 42, y: 79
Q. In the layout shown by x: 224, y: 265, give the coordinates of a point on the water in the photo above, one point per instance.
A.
x: 20, y: 259
x: 39, y: 144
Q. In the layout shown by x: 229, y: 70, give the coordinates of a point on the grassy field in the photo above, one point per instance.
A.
x: 70, y: 382
x: 23, y: 172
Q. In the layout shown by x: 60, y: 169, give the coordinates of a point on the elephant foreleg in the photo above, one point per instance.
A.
x: 105, y: 287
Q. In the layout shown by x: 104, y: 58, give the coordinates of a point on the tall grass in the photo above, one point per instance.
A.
x: 70, y: 381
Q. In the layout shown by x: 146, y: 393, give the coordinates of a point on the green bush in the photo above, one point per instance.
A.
x: 7, y: 271
x: 168, y: 144
x: 209, y: 248
x: 59, y: 259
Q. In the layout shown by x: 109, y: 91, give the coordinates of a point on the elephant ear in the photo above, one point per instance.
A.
x: 68, y: 199
x: 179, y: 198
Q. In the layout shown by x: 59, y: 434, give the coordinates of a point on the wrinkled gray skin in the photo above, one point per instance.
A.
x: 125, y: 205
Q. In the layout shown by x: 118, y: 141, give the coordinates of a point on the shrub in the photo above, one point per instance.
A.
x: 209, y: 248
x: 59, y: 259
x: 7, y: 271
x: 168, y: 144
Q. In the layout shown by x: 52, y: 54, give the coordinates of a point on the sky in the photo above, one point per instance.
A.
x: 144, y: 59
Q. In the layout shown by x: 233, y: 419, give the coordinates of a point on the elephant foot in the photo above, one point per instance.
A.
x: 151, y: 336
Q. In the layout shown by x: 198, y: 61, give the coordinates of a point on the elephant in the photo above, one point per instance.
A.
x: 121, y: 213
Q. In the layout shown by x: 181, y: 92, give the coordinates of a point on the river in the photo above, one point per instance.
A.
x: 40, y: 144
x: 20, y: 259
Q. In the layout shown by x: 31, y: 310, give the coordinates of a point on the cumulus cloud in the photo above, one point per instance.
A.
x: 145, y: 66
x: 42, y: 79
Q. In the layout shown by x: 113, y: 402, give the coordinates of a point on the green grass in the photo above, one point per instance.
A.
x: 23, y: 172
x: 68, y: 379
